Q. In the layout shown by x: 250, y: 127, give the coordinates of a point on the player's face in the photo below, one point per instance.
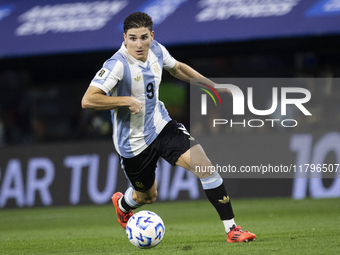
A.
x: 138, y: 41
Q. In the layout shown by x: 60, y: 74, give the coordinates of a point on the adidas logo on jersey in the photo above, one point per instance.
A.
x: 140, y: 185
x: 138, y: 78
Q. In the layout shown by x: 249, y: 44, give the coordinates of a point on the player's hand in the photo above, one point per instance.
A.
x: 135, y: 105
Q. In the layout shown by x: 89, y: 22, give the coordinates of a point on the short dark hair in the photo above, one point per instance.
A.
x: 137, y: 20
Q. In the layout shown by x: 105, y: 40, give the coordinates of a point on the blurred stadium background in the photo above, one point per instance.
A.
x: 52, y: 152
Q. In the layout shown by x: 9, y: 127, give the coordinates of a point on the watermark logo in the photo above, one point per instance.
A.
x: 204, y: 97
x: 238, y: 100
x: 238, y: 97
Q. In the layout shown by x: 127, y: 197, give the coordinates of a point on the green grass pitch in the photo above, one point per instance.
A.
x: 282, y: 226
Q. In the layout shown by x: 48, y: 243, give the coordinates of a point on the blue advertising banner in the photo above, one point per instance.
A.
x: 89, y: 172
x: 61, y: 26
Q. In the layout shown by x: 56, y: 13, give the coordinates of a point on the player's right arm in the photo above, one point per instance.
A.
x: 95, y: 98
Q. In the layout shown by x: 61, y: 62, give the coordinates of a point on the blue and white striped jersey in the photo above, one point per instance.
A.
x: 123, y: 75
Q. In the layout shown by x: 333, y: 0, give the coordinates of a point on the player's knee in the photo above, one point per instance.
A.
x: 150, y: 197
x: 151, y: 201
x: 153, y: 197
x: 204, y: 164
x: 207, y: 162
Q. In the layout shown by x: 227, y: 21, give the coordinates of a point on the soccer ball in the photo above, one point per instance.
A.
x: 145, y: 229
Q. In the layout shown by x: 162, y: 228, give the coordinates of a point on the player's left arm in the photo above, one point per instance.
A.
x: 184, y: 72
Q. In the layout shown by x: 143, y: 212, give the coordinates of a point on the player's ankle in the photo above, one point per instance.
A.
x: 123, y: 206
x: 229, y: 225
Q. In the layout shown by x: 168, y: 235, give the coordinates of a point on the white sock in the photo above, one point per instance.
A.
x: 228, y: 224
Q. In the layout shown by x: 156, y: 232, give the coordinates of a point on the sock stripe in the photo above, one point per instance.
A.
x: 128, y: 198
x: 212, y: 182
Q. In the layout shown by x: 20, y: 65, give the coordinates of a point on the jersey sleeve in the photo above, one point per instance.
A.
x: 168, y: 60
x: 109, y: 75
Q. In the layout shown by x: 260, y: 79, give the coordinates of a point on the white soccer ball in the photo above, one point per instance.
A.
x: 145, y: 229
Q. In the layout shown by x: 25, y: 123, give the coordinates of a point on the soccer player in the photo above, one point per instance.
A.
x: 143, y: 131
